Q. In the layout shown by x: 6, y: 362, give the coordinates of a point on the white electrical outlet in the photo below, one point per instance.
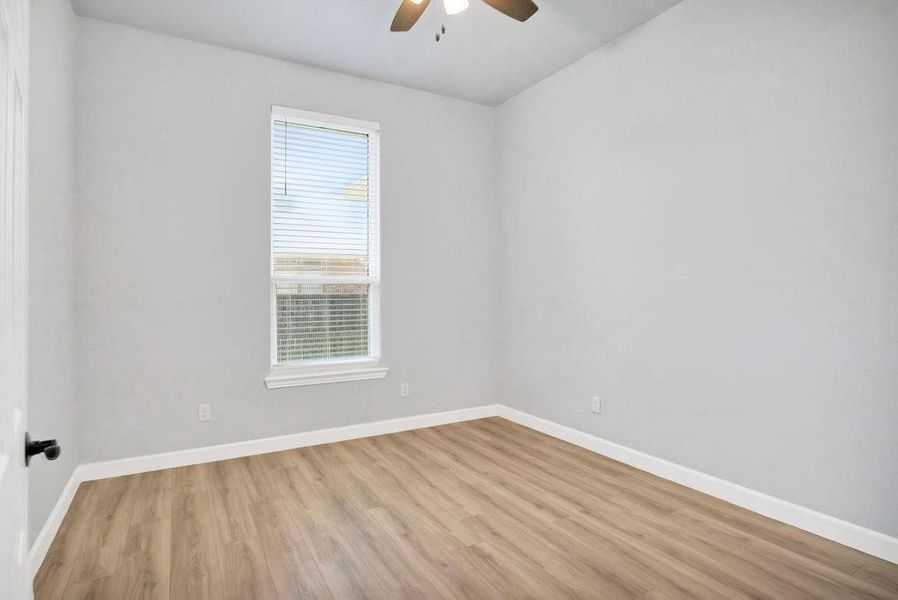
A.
x: 596, y: 404
x: 204, y: 412
x: 403, y: 389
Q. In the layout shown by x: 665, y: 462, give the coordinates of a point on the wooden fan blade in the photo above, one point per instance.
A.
x: 408, y: 14
x: 516, y: 9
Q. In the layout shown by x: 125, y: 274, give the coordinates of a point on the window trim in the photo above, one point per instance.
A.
x: 325, y: 372
x: 331, y: 371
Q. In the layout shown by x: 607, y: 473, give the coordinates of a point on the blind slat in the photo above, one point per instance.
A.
x: 322, y: 214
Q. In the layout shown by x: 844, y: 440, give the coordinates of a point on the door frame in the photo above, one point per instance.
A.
x: 15, y: 580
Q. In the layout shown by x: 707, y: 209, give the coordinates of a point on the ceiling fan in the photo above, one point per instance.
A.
x: 410, y: 10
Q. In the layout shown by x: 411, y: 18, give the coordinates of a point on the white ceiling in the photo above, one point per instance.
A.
x: 485, y: 56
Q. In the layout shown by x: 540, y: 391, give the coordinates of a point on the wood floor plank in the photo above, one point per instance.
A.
x: 53, y: 576
x: 145, y: 574
x: 152, y: 500
x: 520, y: 543
x: 245, y: 572
x: 881, y: 574
x: 483, y: 509
x: 290, y: 559
x: 191, y: 477
x: 230, y: 498
x: 106, y: 533
x: 427, y: 552
x: 348, y: 580
x: 195, y: 565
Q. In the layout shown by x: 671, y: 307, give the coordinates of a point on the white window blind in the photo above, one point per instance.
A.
x: 325, y: 272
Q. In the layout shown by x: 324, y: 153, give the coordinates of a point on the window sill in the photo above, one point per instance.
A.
x: 314, y: 374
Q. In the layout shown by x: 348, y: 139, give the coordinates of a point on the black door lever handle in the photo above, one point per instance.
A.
x: 48, y: 448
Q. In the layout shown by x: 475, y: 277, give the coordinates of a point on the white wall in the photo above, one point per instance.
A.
x: 700, y: 223
x: 173, y: 256
x: 52, y: 411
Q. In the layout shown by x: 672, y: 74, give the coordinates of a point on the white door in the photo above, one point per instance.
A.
x: 14, y: 572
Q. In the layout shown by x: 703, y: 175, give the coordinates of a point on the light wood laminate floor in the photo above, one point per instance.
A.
x: 483, y: 509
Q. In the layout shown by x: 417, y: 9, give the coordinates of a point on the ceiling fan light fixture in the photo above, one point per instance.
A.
x: 453, y: 7
x: 410, y: 11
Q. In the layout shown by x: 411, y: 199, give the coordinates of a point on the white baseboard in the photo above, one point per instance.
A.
x: 45, y: 536
x: 195, y: 456
x: 857, y: 537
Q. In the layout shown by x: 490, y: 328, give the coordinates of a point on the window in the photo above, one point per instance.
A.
x: 325, y: 259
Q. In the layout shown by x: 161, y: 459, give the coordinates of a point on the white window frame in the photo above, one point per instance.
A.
x: 352, y: 369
